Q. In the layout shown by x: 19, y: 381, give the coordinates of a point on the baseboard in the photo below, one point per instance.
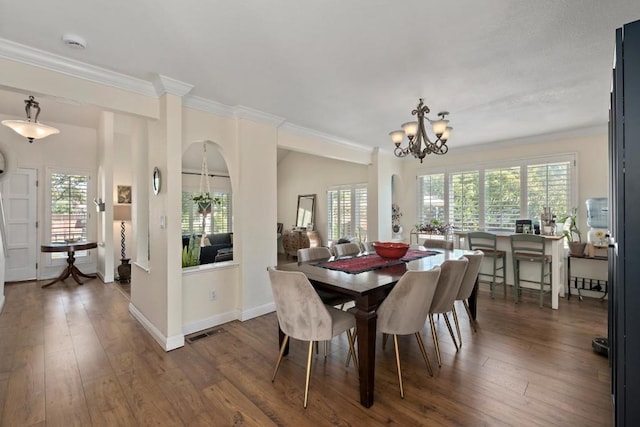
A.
x: 209, y: 322
x: 258, y: 311
x: 167, y: 343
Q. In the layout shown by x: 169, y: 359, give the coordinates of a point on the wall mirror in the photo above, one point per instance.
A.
x: 306, y: 209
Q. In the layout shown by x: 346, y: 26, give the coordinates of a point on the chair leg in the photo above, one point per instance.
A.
x: 435, y: 339
x: 516, y: 277
x: 317, y: 347
x: 384, y: 340
x: 504, y: 277
x: 493, y: 283
x: 455, y: 320
x: 352, y: 350
x: 424, y: 353
x: 306, y: 384
x: 471, y: 321
x: 395, y: 344
x: 284, y: 345
x: 325, y: 349
x: 453, y: 338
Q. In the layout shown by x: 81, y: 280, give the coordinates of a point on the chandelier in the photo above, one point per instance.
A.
x: 417, y: 135
x: 31, y: 129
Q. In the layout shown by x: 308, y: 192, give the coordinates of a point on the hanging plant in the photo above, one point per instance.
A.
x: 205, y: 201
x: 203, y: 198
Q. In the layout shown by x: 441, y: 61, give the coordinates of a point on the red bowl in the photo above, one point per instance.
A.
x: 393, y: 250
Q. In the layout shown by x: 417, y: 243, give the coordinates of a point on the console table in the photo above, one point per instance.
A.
x: 71, y: 269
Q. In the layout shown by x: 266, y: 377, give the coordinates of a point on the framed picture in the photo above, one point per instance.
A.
x: 124, y: 194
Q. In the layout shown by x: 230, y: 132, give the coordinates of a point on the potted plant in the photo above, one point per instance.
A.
x: 572, y: 233
x: 191, y: 252
x: 204, y: 201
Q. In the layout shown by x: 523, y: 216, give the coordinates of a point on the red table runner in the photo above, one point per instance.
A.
x: 364, y: 263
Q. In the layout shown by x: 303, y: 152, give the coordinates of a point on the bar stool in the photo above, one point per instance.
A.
x: 531, y: 248
x: 487, y: 243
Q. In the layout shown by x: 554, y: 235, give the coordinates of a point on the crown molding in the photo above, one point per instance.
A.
x: 533, y: 139
x: 208, y: 106
x: 332, y: 139
x: 71, y: 67
x: 242, y: 112
x: 164, y: 84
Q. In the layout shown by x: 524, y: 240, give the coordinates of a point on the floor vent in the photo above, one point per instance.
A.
x: 207, y: 333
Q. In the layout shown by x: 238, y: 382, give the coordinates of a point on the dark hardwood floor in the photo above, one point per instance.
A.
x: 73, y: 355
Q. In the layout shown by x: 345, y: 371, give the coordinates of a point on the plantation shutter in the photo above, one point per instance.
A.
x: 464, y: 212
x: 501, y: 198
x: 549, y: 185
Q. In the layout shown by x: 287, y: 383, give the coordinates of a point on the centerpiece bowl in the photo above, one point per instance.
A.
x: 393, y: 250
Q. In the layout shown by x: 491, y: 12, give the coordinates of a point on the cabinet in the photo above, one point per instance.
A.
x: 624, y: 211
x: 299, y: 239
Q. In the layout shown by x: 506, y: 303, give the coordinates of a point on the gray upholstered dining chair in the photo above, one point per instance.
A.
x: 466, y: 288
x: 313, y: 254
x: 303, y: 316
x: 346, y: 249
x: 452, y: 272
x: 404, y: 311
x: 438, y: 243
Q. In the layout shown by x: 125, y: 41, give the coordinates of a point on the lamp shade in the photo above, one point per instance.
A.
x: 121, y: 212
x: 30, y: 129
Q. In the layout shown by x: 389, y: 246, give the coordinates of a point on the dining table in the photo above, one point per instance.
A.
x: 368, y: 288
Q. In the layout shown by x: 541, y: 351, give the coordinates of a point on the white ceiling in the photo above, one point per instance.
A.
x: 354, y: 69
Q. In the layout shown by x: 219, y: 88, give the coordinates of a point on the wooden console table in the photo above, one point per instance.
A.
x: 70, y: 269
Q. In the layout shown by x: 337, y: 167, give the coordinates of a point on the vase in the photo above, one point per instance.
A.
x: 124, y: 271
x: 576, y: 249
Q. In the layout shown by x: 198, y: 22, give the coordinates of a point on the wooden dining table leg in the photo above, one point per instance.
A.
x: 473, y: 301
x: 366, y: 322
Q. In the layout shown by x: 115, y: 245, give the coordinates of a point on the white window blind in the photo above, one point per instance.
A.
x: 346, y: 211
x: 501, y: 198
x: 464, y: 212
x: 549, y: 185
x: 431, y: 199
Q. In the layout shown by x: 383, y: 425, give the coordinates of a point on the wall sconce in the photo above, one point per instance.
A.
x: 99, y: 205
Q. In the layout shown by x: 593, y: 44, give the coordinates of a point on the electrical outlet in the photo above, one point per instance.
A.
x: 213, y: 296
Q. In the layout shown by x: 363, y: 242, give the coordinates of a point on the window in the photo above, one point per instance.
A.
x: 431, y: 198
x: 493, y: 197
x: 464, y: 212
x: 548, y: 185
x: 347, y: 211
x: 69, y: 211
x: 501, y: 198
x: 219, y: 221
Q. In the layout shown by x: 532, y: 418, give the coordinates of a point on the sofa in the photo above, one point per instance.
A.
x: 217, y: 247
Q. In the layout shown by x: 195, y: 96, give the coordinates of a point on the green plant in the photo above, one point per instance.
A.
x: 191, y: 252
x: 206, y: 198
x: 570, y: 229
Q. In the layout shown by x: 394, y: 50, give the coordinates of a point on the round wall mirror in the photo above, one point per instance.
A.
x: 156, y: 180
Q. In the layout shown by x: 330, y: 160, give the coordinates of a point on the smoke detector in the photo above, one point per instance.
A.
x: 74, y: 41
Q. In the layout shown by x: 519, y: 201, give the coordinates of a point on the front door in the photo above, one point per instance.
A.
x: 19, y: 197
